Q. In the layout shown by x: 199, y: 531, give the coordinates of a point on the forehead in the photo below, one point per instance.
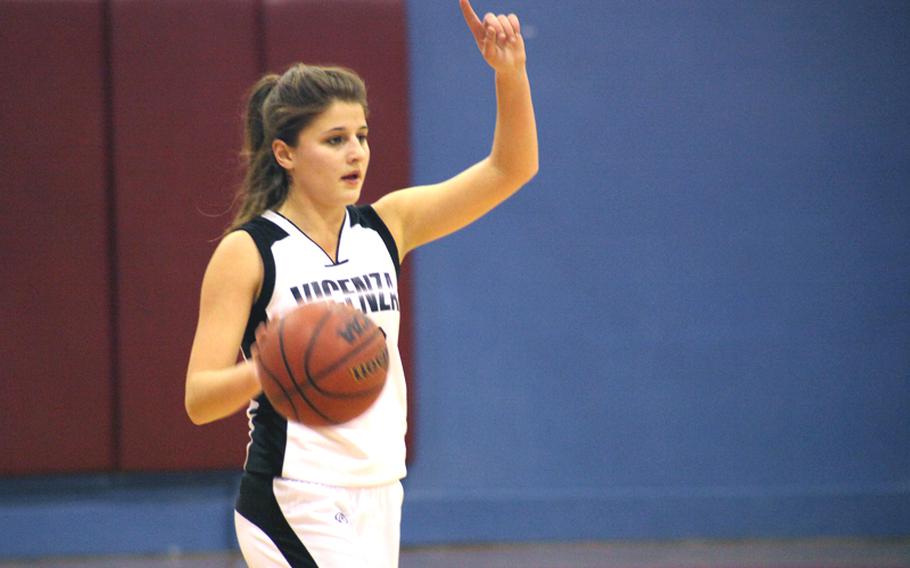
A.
x: 339, y: 114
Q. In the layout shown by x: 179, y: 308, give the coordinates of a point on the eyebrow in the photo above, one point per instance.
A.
x: 343, y: 129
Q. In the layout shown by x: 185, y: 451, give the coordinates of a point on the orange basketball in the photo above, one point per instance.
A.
x: 322, y: 363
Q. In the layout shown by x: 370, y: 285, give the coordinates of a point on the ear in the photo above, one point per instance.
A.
x: 283, y: 153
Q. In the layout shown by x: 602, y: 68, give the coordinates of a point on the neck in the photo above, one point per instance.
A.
x: 310, y: 216
x: 320, y: 225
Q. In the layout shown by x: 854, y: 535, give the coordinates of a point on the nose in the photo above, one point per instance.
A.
x: 357, y: 152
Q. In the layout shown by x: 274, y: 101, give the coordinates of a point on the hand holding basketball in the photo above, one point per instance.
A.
x: 322, y: 363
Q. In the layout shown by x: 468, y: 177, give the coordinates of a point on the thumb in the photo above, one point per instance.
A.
x: 488, y: 45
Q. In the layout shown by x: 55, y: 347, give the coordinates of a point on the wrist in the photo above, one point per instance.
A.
x: 255, y: 377
x: 517, y: 73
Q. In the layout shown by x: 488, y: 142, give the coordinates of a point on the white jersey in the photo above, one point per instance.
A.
x: 370, y: 449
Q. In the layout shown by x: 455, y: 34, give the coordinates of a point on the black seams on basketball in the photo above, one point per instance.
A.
x: 322, y: 363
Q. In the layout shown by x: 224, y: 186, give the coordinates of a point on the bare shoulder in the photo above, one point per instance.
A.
x: 238, y: 249
x: 237, y: 244
x: 235, y: 264
x: 389, y: 209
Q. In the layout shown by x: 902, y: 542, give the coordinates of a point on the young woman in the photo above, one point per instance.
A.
x: 332, y: 496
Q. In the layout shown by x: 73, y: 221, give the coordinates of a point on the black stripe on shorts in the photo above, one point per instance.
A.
x: 256, y: 502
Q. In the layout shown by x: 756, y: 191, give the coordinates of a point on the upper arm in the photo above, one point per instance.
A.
x: 229, y: 288
x: 418, y: 215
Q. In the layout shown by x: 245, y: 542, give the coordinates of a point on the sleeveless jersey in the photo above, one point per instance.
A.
x: 370, y: 449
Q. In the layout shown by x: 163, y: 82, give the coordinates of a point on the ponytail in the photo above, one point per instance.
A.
x: 265, y: 183
x: 255, y: 135
x: 279, y: 107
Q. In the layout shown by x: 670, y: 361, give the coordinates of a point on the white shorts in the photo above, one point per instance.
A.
x: 296, y: 524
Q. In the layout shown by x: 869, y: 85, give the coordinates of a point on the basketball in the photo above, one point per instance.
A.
x: 322, y: 363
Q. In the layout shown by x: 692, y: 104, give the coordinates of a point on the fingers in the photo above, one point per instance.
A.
x: 508, y: 35
x: 470, y: 18
x: 498, y: 36
x: 259, y: 333
x: 506, y: 29
x: 516, y: 26
x: 489, y: 43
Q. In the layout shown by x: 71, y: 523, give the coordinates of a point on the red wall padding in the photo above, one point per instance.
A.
x: 55, y: 337
x: 99, y: 319
x: 180, y: 73
x: 369, y: 37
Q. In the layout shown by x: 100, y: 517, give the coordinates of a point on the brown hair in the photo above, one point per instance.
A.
x: 279, y: 107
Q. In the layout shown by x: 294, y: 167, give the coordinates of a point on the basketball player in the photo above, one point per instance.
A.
x: 331, y: 497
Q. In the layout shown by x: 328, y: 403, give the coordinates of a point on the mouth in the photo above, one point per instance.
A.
x: 352, y: 177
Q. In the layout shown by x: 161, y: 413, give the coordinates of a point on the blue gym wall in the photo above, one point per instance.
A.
x: 695, y: 321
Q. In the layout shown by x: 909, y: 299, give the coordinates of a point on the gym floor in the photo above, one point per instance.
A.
x: 686, y: 554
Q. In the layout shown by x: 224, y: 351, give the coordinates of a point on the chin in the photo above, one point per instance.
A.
x: 352, y: 196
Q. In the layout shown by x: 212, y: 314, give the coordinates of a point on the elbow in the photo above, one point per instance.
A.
x: 193, y: 410
x: 516, y: 170
x: 194, y: 415
x: 524, y: 175
x: 532, y: 171
x: 515, y: 176
x: 196, y: 419
x: 526, y: 169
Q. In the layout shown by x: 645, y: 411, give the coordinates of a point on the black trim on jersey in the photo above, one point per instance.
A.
x: 333, y: 261
x: 264, y: 234
x: 269, y: 435
x: 268, y: 439
x: 257, y: 504
x: 366, y: 216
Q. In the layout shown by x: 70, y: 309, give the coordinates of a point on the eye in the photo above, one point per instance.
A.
x: 362, y: 138
x: 335, y: 141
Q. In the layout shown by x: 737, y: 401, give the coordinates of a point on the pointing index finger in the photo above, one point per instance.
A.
x: 470, y: 17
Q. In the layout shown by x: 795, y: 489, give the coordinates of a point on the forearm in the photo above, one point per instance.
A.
x: 514, y: 151
x: 419, y: 215
x: 211, y: 395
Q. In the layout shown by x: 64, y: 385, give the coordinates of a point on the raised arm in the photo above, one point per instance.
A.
x: 421, y: 214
